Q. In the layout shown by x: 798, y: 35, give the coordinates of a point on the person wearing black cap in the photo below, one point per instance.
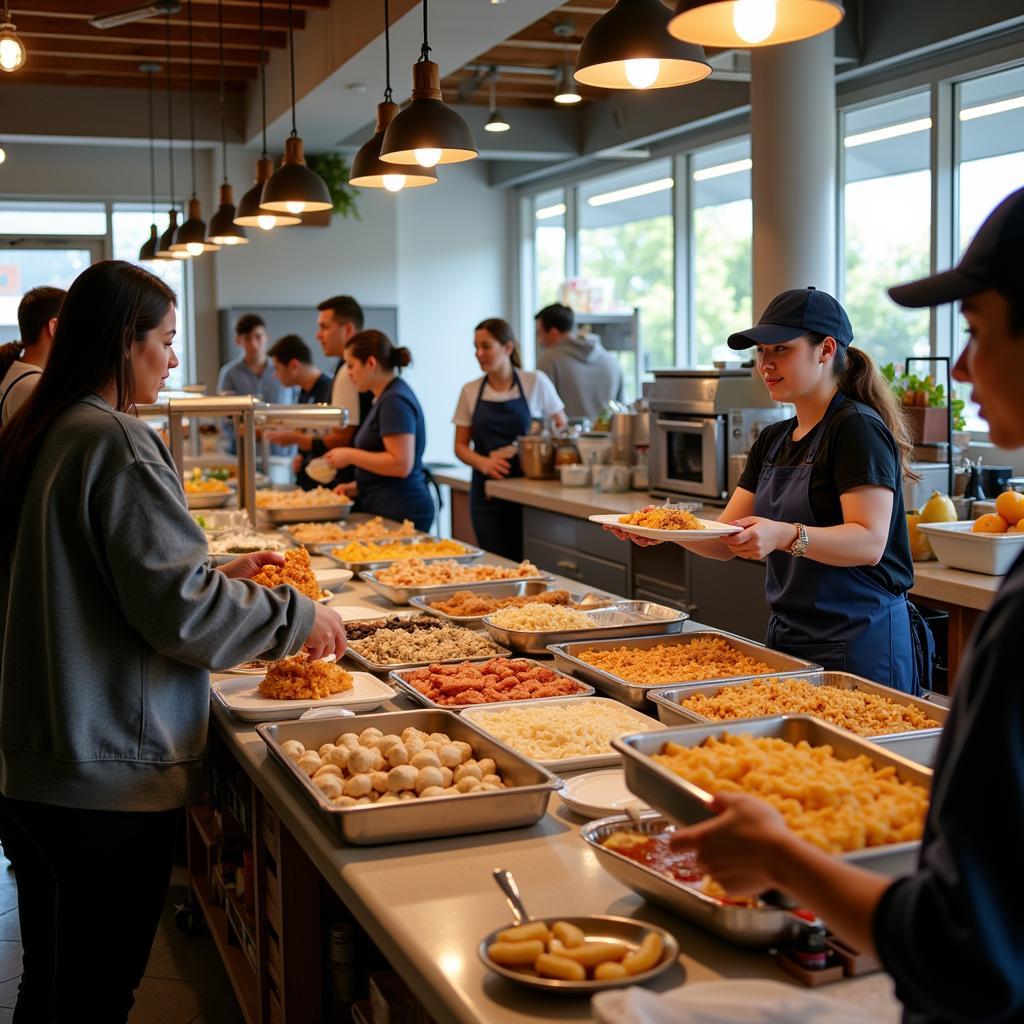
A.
x: 950, y: 934
x: 820, y: 500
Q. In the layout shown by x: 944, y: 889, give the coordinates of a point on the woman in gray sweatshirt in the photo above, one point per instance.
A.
x: 111, y: 617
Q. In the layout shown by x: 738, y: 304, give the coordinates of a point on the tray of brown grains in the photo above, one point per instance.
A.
x: 387, y: 649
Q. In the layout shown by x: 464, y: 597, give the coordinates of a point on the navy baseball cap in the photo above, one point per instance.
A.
x: 994, y: 259
x: 792, y: 314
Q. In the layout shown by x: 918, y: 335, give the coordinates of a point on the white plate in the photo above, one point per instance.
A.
x: 598, y: 794
x: 712, y: 530
x: 239, y: 696
x: 332, y: 578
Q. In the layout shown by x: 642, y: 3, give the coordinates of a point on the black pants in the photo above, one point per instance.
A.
x: 91, y: 886
x: 498, y: 526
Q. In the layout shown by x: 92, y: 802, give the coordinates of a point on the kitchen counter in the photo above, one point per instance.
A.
x: 427, y: 904
x: 954, y: 586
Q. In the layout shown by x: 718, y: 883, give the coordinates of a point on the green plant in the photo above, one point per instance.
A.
x: 334, y: 169
x: 922, y: 391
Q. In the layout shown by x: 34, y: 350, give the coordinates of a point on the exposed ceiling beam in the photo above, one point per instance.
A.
x: 152, y: 31
x: 204, y: 14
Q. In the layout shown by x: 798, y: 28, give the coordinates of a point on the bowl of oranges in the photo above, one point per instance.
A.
x: 988, y: 545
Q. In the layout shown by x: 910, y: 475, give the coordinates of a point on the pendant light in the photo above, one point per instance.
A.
x: 293, y: 188
x: 3, y: 154
x: 745, y: 23
x: 12, y: 49
x: 495, y: 123
x: 368, y: 170
x: 427, y: 132
x: 167, y: 239
x: 630, y: 48
x: 249, y: 214
x: 192, y: 234
x: 566, y: 92
x: 147, y: 254
x: 223, y: 229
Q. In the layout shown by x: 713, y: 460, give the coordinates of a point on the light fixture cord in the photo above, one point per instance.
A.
x: 191, y: 102
x: 425, y: 48
x: 291, y: 57
x: 152, y: 148
x: 493, y: 78
x: 263, y: 81
x: 170, y: 115
x: 387, y: 54
x: 223, y: 112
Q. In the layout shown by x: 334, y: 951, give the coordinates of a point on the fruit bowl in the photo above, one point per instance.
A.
x: 958, y: 547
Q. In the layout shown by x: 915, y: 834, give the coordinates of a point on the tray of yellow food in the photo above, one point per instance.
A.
x: 638, y: 855
x: 292, y: 686
x: 322, y: 535
x: 407, y: 775
x: 533, y: 628
x: 367, y: 555
x: 206, y: 493
x: 298, y: 506
x: 910, y: 726
x: 846, y: 795
x: 413, y: 577
x: 631, y: 669
x: 666, y: 523
x: 468, y: 607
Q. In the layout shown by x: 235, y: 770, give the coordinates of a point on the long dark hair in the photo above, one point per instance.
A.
x: 9, y: 355
x: 110, y: 305
x: 379, y: 345
x: 502, y: 333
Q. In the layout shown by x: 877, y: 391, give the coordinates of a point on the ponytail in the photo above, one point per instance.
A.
x: 858, y: 377
x: 9, y: 355
x: 377, y: 344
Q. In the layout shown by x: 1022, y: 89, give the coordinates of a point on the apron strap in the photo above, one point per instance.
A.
x: 837, y: 399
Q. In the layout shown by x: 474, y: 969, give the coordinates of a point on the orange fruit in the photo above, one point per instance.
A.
x: 1010, y: 505
x: 991, y: 522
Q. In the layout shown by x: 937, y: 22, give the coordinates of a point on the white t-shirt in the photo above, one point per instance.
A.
x: 19, y: 380
x: 345, y: 396
x: 540, y: 395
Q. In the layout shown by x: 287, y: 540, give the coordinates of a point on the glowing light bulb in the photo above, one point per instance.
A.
x: 194, y: 248
x: 180, y: 254
x: 642, y: 72
x: 295, y: 207
x: 228, y: 240
x: 427, y: 157
x: 3, y: 154
x: 12, y: 52
x: 394, y: 182
x: 754, y: 20
x: 266, y: 221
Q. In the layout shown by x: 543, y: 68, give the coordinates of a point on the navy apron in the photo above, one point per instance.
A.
x: 498, y: 524
x: 838, y: 617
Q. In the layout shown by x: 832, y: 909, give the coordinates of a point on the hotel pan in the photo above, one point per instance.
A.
x: 308, y: 513
x: 373, y: 666
x: 471, y: 554
x: 403, y: 595
x: 499, y: 589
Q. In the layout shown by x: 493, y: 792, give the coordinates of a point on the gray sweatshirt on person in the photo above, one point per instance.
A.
x: 111, y: 618
x: 585, y: 374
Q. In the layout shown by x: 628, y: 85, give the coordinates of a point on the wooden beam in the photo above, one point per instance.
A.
x: 101, y: 64
x: 204, y: 14
x: 57, y: 50
x: 117, y: 81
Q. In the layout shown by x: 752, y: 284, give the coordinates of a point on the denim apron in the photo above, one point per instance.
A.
x: 837, y: 617
x: 498, y: 524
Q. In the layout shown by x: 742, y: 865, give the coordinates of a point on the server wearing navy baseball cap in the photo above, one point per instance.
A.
x: 950, y: 934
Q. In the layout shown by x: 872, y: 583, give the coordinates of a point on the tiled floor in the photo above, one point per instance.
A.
x: 184, y: 983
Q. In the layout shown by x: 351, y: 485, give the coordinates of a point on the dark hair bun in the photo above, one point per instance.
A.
x: 400, y: 356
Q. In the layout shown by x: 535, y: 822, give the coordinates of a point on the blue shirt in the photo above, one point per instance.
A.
x: 237, y: 379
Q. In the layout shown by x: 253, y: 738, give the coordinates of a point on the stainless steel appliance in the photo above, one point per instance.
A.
x: 703, y: 423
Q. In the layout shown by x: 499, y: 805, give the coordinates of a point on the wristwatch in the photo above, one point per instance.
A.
x: 799, y: 547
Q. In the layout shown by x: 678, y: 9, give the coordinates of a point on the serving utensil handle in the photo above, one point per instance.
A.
x: 507, y: 884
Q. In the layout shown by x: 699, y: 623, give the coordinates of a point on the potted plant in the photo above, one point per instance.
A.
x: 925, y: 404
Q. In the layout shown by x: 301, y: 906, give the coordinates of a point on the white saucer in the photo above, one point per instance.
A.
x: 331, y: 579
x: 598, y: 794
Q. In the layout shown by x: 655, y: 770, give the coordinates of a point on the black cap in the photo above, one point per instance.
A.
x: 994, y: 259
x: 792, y: 314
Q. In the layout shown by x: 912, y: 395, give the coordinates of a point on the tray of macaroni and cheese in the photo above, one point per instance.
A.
x: 846, y: 795
x: 631, y: 669
x: 909, y: 726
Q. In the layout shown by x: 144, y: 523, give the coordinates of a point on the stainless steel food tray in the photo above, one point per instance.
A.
x: 635, y: 694
x: 307, y: 513
x: 683, y: 801
x: 314, y: 546
x: 920, y: 745
x: 524, y: 803
x: 754, y: 927
x: 373, y: 666
x: 403, y: 595
x: 397, y: 677
x: 622, y: 619
x: 499, y: 588
x: 471, y: 554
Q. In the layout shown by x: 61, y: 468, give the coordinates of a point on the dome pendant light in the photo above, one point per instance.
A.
x: 495, y: 123
x: 12, y: 49
x: 427, y: 132
x: 368, y: 170
x: 147, y: 254
x: 293, y: 188
x: 630, y: 48
x: 747, y: 23
x: 192, y: 234
x: 167, y: 239
x: 223, y: 229
x: 567, y: 93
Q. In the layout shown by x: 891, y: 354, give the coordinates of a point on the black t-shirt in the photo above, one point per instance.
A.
x: 857, y: 450
x: 319, y: 393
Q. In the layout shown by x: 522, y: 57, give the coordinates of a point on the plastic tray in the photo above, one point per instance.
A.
x: 636, y: 694
x: 683, y: 801
x: 403, y: 595
x: 524, y: 803
x: 990, y: 553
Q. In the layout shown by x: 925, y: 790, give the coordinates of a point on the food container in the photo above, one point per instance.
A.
x: 471, y: 554
x: 594, y: 449
x: 920, y: 745
x: 373, y: 666
x: 322, y: 547
x: 537, y: 456
x: 397, y: 677
x: 402, y: 595
x: 636, y: 694
x: 574, y: 475
x: 624, y: 618
x: 685, y: 802
x: 990, y: 553
x: 611, y: 479
x: 208, y: 499
x: 754, y: 927
x: 562, y: 764
x: 308, y: 513
x: 509, y: 588
x: 524, y: 803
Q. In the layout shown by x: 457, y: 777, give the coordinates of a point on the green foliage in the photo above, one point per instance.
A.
x: 910, y: 384
x: 334, y: 169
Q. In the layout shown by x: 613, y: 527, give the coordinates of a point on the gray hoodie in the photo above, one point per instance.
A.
x: 111, y: 617
x: 584, y: 373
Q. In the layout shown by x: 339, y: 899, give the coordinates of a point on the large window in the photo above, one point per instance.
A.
x: 722, y: 242
x: 886, y: 228
x: 548, y: 247
x: 626, y: 258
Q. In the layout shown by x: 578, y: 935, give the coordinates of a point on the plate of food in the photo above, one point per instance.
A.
x: 203, y: 493
x: 291, y: 686
x: 667, y: 523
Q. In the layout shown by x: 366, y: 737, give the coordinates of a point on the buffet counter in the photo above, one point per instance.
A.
x: 427, y: 904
